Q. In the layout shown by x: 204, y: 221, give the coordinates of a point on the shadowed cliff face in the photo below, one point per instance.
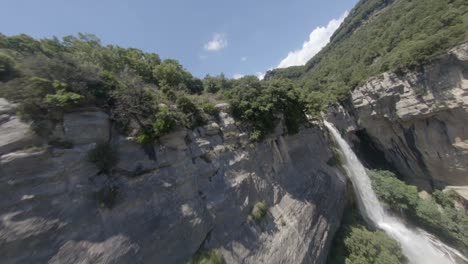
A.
x: 418, y: 120
x: 195, y: 191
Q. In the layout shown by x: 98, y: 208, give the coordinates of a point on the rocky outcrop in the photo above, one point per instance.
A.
x: 418, y: 120
x: 86, y: 127
x: 14, y: 133
x: 194, y: 192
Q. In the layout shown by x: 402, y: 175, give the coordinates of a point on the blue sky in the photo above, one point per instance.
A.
x: 206, y: 36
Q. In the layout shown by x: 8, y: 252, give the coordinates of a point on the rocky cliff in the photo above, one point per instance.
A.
x: 417, y: 119
x: 194, y: 192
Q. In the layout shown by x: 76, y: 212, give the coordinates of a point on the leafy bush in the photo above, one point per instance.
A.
x: 206, y: 257
x: 7, y: 67
x: 355, y: 244
x: 210, y: 109
x: 185, y: 105
x: 436, y: 215
x: 261, y: 104
x: 395, y: 193
x: 63, y: 99
x: 259, y: 211
x: 165, y: 122
x: 104, y: 156
x: 256, y: 135
x: 365, y: 247
x: 145, y: 139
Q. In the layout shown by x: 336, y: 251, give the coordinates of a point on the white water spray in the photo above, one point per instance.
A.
x: 419, y: 247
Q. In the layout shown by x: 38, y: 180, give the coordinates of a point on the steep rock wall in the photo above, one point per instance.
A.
x: 195, y: 191
x: 419, y: 119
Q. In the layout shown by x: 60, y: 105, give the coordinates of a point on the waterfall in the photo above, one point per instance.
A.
x: 418, y: 246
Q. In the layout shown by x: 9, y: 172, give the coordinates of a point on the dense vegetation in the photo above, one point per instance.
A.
x: 355, y: 244
x: 148, y: 97
x: 145, y: 96
x: 378, y: 36
x: 437, y: 214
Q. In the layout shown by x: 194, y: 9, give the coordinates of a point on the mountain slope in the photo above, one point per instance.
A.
x: 380, y: 36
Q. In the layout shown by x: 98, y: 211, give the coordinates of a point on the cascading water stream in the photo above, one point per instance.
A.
x: 419, y: 247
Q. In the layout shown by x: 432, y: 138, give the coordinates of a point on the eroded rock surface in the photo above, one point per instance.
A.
x: 194, y: 189
x: 419, y: 120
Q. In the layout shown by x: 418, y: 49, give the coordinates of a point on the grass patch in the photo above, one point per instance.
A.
x: 206, y: 257
x: 259, y: 211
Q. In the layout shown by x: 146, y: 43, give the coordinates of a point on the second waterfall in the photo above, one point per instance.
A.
x: 418, y: 247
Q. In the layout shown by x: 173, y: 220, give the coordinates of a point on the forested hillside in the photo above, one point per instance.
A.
x: 379, y: 36
x: 149, y: 97
x: 146, y: 97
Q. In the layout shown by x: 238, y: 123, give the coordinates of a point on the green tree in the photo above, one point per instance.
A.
x: 171, y: 74
x: 372, y: 247
x: 7, y: 67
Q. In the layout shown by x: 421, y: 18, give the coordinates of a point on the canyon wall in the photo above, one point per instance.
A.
x: 419, y: 120
x: 193, y: 192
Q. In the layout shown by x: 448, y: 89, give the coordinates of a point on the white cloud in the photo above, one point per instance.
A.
x: 237, y: 76
x: 244, y: 59
x: 260, y: 75
x: 218, y: 42
x: 318, y: 38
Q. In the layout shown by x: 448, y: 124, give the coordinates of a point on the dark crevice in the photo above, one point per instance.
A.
x: 370, y: 155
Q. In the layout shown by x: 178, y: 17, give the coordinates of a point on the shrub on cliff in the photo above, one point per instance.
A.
x: 259, y: 211
x: 395, y: 193
x: 261, y: 104
x: 7, y: 67
x: 104, y: 156
x: 206, y: 257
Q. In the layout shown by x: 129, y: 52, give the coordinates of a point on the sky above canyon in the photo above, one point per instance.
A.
x: 208, y: 37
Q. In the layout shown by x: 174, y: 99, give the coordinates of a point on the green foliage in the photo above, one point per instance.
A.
x: 213, y: 84
x: 259, y: 211
x: 49, y: 77
x: 146, y: 138
x: 165, y: 122
x: 7, y: 67
x: 397, y: 36
x: 395, y: 193
x: 172, y: 76
x: 437, y: 215
x: 104, y: 156
x: 63, y: 99
x: 261, y: 104
x: 366, y: 247
x: 355, y: 244
x: 206, y: 257
x: 445, y: 199
x: 256, y: 135
x: 210, y: 109
x: 186, y: 105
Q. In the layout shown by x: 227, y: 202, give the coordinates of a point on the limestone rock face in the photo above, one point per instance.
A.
x: 419, y: 120
x: 14, y: 134
x: 193, y: 189
x: 86, y: 127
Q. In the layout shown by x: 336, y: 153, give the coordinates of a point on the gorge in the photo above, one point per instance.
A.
x: 112, y: 155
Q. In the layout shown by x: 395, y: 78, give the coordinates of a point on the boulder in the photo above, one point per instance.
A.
x: 7, y: 107
x: 16, y: 135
